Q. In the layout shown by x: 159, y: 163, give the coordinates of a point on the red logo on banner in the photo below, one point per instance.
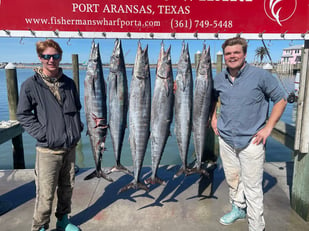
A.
x: 280, y: 10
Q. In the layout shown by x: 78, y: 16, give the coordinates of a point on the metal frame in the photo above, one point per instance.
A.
x: 133, y: 35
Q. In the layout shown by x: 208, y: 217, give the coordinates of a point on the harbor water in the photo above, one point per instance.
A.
x: 275, y: 152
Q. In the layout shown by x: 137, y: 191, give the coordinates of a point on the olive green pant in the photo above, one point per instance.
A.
x: 53, y: 170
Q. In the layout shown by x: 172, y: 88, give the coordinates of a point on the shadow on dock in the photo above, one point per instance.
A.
x: 191, y: 202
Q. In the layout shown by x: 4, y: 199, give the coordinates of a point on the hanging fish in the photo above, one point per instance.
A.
x: 118, y: 103
x: 161, y: 111
x: 183, y: 106
x: 96, y: 110
x: 139, y: 114
x: 201, y: 107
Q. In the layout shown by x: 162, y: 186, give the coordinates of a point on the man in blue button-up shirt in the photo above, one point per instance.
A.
x: 243, y: 127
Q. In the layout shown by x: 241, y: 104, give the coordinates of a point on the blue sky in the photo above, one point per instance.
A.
x: 23, y: 49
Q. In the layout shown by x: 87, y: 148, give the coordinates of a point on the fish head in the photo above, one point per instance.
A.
x: 141, y: 66
x: 184, y: 61
x: 204, y: 66
x: 164, y: 65
x: 117, y: 59
x: 94, y: 59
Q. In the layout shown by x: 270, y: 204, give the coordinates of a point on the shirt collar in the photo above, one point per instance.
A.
x: 243, y: 68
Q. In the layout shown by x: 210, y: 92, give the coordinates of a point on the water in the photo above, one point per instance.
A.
x: 84, y: 159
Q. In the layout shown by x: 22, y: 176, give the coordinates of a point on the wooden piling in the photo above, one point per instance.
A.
x: 219, y: 62
x: 75, y: 69
x: 197, y: 58
x: 12, y: 88
x: 300, y: 188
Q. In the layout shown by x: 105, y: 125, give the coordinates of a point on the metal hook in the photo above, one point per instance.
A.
x: 151, y: 35
x: 56, y: 32
x: 32, y: 32
x: 80, y: 33
x: 129, y: 34
x: 104, y: 34
x: 7, y: 32
x: 304, y: 34
x: 195, y: 34
x: 69, y: 42
x: 261, y: 34
x: 283, y: 34
x: 216, y: 35
x: 204, y: 42
x: 21, y: 41
x: 173, y: 34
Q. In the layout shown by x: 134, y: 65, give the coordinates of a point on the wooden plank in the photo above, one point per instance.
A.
x: 9, y: 129
x: 300, y: 187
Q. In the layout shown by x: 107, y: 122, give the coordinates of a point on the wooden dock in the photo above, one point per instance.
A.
x: 192, y: 203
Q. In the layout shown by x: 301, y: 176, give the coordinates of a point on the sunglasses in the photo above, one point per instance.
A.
x: 47, y: 57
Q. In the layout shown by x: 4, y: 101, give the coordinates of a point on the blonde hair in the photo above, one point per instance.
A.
x: 42, y: 45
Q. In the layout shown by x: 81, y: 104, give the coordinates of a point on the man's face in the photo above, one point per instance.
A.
x: 50, y: 64
x: 234, y: 57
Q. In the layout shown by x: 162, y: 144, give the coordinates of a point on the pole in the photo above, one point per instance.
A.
x: 197, y: 58
x: 219, y: 62
x: 75, y: 67
x: 12, y: 88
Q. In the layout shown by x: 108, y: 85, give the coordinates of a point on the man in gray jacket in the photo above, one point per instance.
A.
x: 49, y: 110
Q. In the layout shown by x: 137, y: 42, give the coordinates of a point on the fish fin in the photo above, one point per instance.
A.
x: 155, y: 180
x: 119, y: 168
x: 134, y: 185
x: 182, y: 170
x: 91, y: 175
x: 197, y: 170
x: 93, y: 86
x: 98, y: 174
x: 167, y: 89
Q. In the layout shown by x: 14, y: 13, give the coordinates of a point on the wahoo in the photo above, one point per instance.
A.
x: 139, y: 114
x: 201, y: 107
x: 118, y: 103
x: 161, y: 111
x: 183, y: 106
x: 95, y: 109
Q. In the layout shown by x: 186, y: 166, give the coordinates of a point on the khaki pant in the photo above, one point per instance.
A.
x: 53, y: 170
x: 244, y: 175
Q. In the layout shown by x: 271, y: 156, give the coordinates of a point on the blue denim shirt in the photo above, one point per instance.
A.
x: 245, y: 103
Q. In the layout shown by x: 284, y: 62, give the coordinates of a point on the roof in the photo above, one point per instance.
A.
x: 295, y: 47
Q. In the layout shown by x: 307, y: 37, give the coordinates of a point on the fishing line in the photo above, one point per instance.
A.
x: 291, y: 95
x: 93, y: 193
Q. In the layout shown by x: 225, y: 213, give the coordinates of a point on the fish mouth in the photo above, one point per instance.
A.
x: 140, y: 77
x: 163, y: 77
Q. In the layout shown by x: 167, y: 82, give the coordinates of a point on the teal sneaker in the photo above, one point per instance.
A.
x: 236, y: 214
x: 42, y: 229
x: 65, y: 225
